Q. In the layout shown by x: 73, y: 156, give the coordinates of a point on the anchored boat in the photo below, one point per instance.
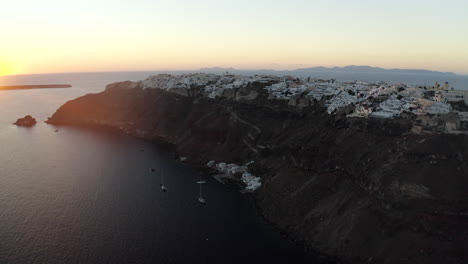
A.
x: 163, y: 187
x: 200, y: 196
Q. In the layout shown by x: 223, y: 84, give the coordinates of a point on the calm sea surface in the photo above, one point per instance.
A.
x: 81, y: 196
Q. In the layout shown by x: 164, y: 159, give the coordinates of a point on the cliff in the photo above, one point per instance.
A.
x: 366, y: 190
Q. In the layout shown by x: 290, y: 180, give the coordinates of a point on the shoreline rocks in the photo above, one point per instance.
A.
x: 27, y: 121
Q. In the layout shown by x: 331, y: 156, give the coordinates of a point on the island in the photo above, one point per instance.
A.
x: 34, y: 86
x: 27, y: 121
x: 367, y: 172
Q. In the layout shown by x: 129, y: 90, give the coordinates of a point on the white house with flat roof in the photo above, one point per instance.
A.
x: 456, y: 95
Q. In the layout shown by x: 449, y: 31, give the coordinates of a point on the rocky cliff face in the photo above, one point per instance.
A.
x: 365, y: 190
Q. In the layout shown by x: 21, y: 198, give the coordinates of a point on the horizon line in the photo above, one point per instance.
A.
x: 231, y: 68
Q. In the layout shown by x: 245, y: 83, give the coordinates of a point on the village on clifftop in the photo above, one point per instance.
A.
x: 437, y: 108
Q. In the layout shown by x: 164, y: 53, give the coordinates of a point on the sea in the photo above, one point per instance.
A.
x: 88, y: 196
x: 73, y: 195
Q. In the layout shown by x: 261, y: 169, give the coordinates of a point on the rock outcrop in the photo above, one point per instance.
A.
x: 27, y: 121
x: 364, y: 190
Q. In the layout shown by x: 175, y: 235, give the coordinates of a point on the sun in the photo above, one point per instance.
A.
x: 5, y: 69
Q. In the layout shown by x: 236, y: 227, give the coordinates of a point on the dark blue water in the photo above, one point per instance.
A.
x: 87, y: 196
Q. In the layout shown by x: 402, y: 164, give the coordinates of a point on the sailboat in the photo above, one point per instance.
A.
x: 163, y: 187
x: 200, y: 196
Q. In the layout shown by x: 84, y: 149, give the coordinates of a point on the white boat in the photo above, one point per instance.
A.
x: 163, y: 187
x: 202, y: 200
x: 200, y: 196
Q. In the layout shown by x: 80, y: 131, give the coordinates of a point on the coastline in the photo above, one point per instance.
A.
x: 29, y: 87
x: 333, y: 194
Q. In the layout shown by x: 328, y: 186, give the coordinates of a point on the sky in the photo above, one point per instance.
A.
x: 50, y: 36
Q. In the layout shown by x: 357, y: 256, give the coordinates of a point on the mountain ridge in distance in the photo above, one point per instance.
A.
x: 345, y: 69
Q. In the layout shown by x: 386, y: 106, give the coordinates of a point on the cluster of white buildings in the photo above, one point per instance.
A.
x: 366, y: 99
x: 380, y: 100
x: 251, y: 182
x: 383, y: 100
x: 431, y: 105
x: 213, y: 84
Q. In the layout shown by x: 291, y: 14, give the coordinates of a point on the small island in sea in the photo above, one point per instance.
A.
x: 34, y: 86
x: 27, y: 121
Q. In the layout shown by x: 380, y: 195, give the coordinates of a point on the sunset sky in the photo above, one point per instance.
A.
x: 50, y: 36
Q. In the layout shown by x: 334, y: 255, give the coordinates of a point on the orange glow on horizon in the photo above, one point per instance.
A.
x: 55, y: 36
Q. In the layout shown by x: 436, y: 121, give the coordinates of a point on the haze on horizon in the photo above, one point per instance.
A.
x: 53, y: 36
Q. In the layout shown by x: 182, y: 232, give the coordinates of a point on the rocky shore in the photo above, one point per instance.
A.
x: 366, y: 190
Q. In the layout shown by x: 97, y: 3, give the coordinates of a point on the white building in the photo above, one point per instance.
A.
x: 456, y: 95
x: 463, y: 116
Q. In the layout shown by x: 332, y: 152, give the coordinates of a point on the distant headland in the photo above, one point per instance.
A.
x: 35, y: 86
x: 345, y: 69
